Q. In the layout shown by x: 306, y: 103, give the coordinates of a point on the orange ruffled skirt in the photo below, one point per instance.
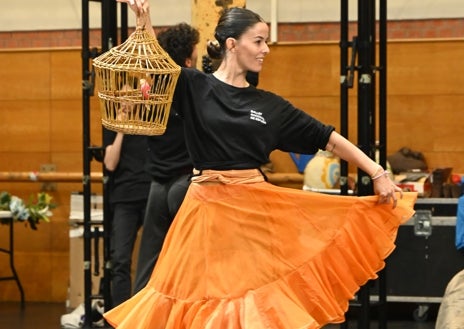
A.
x: 243, y: 253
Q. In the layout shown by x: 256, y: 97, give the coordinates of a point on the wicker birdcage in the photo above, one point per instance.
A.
x: 135, y: 83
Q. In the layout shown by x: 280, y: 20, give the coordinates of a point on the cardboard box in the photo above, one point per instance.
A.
x: 415, y: 182
x: 77, y: 208
x: 76, y: 267
x: 76, y: 249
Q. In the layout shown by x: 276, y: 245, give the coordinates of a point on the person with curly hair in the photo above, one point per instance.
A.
x: 168, y: 162
x: 128, y: 186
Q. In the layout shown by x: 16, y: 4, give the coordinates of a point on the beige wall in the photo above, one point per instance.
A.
x: 41, y: 123
x: 425, y: 97
x: 32, y: 15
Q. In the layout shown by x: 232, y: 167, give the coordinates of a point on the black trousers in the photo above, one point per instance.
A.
x: 126, y: 221
x: 164, y: 200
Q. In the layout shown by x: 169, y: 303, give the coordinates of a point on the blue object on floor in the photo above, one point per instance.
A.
x: 301, y: 160
x: 460, y: 224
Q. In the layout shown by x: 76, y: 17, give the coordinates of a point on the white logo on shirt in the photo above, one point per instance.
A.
x: 257, y: 116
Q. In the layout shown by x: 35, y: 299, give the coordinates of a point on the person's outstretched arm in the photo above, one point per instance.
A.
x: 383, y: 185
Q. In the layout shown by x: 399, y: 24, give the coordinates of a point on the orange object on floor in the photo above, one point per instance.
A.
x: 243, y: 253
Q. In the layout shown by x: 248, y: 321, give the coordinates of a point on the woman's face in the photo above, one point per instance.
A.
x: 251, y: 47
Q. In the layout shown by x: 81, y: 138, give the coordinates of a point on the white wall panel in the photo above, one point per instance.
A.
x: 28, y: 15
x: 66, y: 14
x: 329, y: 10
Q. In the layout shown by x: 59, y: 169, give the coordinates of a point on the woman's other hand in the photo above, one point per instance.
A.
x: 385, y: 188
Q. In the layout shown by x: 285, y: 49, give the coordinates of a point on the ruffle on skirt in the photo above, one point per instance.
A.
x: 256, y: 256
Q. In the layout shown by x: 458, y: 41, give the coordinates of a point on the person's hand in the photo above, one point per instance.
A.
x: 122, y: 114
x: 139, y: 7
x: 386, y: 189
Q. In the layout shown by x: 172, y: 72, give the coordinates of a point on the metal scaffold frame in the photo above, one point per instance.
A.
x: 92, y: 232
x: 372, y: 121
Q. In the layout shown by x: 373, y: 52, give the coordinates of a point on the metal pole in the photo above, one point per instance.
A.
x: 344, y: 85
x: 86, y: 162
x: 382, y: 148
x: 383, y: 83
x: 109, y: 26
x: 124, y: 22
x: 366, y: 119
x: 109, y: 39
x: 366, y: 43
x: 366, y: 89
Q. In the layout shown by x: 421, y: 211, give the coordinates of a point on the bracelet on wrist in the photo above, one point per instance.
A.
x: 377, y: 171
x: 384, y: 173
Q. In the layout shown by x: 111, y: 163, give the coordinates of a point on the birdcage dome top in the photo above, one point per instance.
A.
x: 141, y: 52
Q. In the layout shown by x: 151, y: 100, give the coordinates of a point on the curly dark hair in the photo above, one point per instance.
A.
x: 179, y: 41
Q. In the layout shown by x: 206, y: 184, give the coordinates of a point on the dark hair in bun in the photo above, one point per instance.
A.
x: 232, y: 24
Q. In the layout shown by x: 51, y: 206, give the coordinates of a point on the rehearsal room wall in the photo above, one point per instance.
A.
x: 41, y: 116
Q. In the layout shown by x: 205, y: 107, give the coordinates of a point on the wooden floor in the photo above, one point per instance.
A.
x: 47, y: 316
x: 33, y: 316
